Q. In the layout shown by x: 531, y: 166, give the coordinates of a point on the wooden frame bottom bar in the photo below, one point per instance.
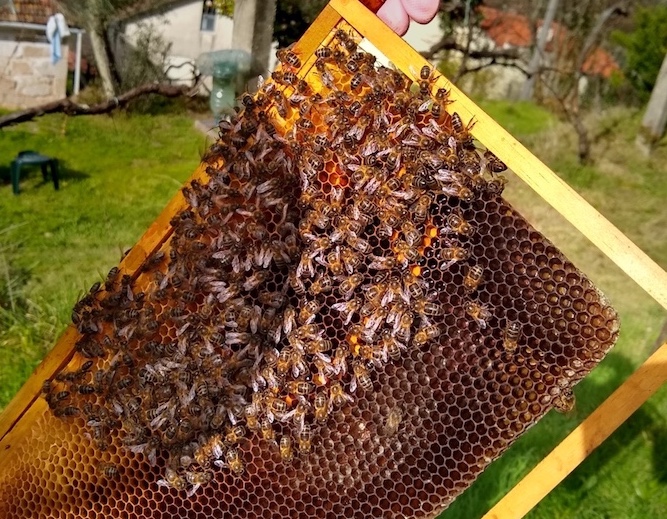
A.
x: 590, y: 433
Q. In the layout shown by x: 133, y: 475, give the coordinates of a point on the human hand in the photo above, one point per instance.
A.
x: 397, y: 14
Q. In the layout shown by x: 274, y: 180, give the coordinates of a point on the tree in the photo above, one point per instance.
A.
x: 644, y: 48
x: 587, y: 24
x: 94, y: 16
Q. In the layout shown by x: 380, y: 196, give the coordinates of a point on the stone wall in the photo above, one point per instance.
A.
x: 27, y: 76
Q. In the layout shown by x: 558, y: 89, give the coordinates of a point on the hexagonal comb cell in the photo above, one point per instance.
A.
x: 347, y: 320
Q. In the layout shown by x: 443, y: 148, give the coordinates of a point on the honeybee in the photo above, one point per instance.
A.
x: 423, y: 335
x: 289, y: 319
x: 461, y: 132
x: 348, y: 309
x: 350, y: 284
x: 299, y: 388
x: 172, y: 479
x: 322, y: 407
x: 413, y: 286
x: 425, y: 307
x: 457, y: 224
x: 496, y: 185
x: 288, y: 57
x: 322, y: 284
x: 420, y: 209
x: 323, y: 53
x: 284, y: 361
x: 111, y: 279
x: 338, y: 397
x: 275, y: 406
x: 437, y: 107
x: 359, y: 244
x: 493, y: 163
x: 109, y: 470
x: 392, y: 422
x: 67, y: 411
x: 409, y: 252
x: 391, y: 345
x: 305, y: 439
x: 427, y: 76
x: 334, y: 263
x: 473, y: 278
x: 480, y: 313
x: 235, y: 434
x: 267, y: 431
x: 234, y: 461
x: 361, y: 376
x: 459, y: 191
x: 197, y: 479
x: 325, y: 73
x: 351, y: 260
x: 382, y: 262
x: 565, y: 401
x: 451, y: 255
x: 402, y: 326
x: 296, y: 283
x: 511, y: 336
x: 286, y: 451
x: 309, y: 311
x: 410, y: 232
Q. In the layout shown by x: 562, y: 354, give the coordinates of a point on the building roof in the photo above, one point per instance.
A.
x: 28, y: 11
x: 508, y: 29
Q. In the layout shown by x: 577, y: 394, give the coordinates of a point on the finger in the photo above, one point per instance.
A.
x: 393, y: 14
x: 421, y: 11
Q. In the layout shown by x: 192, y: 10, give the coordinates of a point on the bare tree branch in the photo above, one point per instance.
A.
x: 449, y: 43
x: 69, y: 107
x: 492, y: 62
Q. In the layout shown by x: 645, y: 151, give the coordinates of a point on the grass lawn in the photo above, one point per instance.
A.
x: 118, y: 172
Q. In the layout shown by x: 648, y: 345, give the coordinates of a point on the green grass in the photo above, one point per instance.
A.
x: 119, y: 172
x: 519, y: 118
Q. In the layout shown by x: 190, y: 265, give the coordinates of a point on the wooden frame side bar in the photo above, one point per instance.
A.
x: 612, y: 242
x: 590, y: 433
x: 154, y: 237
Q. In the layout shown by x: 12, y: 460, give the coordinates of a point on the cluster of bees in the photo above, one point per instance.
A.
x: 292, y: 274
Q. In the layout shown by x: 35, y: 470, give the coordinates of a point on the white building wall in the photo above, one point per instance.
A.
x: 180, y: 26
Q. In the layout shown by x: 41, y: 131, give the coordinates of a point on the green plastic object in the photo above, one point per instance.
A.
x: 32, y: 158
x: 225, y: 66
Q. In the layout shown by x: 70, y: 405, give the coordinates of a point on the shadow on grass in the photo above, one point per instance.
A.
x: 646, y: 420
x: 65, y: 173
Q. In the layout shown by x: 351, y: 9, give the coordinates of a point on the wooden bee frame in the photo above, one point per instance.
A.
x: 19, y: 415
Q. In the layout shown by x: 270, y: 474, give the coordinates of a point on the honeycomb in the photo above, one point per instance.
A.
x: 347, y: 320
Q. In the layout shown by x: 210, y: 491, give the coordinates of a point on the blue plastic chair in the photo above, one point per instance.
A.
x: 32, y: 158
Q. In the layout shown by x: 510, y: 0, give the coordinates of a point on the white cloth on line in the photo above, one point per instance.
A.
x: 56, y: 28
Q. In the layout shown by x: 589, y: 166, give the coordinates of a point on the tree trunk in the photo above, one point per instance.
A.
x: 253, y: 31
x: 535, y: 60
x: 584, y: 148
x: 655, y: 117
x: 97, y: 41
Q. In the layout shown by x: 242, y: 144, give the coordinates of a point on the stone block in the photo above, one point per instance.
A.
x: 33, y: 50
x: 20, y: 66
x: 9, y: 48
x: 39, y: 88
